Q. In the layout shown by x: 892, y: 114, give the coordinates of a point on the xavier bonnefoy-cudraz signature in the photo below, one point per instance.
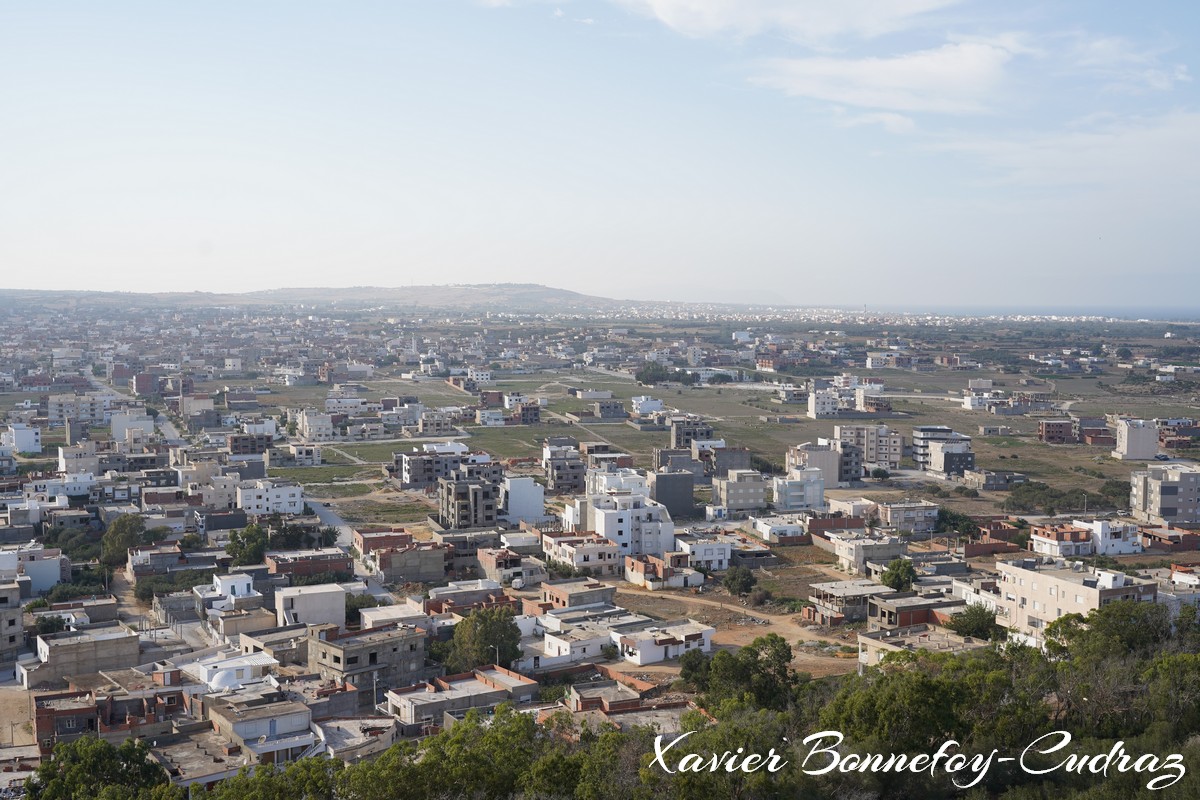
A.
x: 820, y: 754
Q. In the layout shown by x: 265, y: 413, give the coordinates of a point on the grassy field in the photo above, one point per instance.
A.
x: 338, y: 490
x: 324, y: 474
x: 383, y: 513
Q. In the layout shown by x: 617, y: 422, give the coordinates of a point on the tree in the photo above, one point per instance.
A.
x: 91, y: 767
x: 739, y: 580
x: 693, y: 668
x: 247, y: 546
x: 478, y: 637
x: 880, y: 474
x: 126, y: 531
x: 355, y: 603
x: 899, y: 575
x: 50, y: 624
x: 977, y: 621
x: 1124, y: 353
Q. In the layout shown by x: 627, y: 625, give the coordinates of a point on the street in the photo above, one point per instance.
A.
x: 329, y: 517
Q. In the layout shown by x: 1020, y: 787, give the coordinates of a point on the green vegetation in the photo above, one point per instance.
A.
x: 739, y: 580
x: 899, y: 575
x: 90, y: 767
x: 486, y: 636
x: 342, y: 490
x: 247, y: 546
x: 355, y: 603
x: 149, y: 586
x: 124, y: 532
x: 977, y: 621
x: 326, y: 474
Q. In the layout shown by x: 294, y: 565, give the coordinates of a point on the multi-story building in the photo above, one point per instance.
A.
x: 263, y: 497
x: 318, y: 604
x: 1060, y: 541
x: 1057, y: 431
x: 467, y: 503
x: 743, y: 490
x: 89, y: 408
x: 373, y: 660
x: 881, y: 447
x: 1035, y: 592
x: 685, y: 429
x: 925, y: 435
x: 802, y: 490
x: 1137, y: 440
x: 12, y: 631
x: 636, y: 523
x: 314, y: 426
x: 823, y: 403
x: 1165, y: 495
x: 917, y: 516
x: 22, y: 438
x: 840, y: 462
x: 590, y: 554
x: 951, y: 457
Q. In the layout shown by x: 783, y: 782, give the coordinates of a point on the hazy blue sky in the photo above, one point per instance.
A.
x: 923, y: 152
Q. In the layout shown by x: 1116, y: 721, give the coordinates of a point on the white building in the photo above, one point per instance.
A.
x: 1137, y: 440
x: 1112, y: 538
x: 129, y: 421
x: 664, y: 641
x: 644, y: 405
x: 803, y: 489
x: 704, y: 552
x: 263, y: 497
x: 621, y: 479
x: 523, y: 500
x: 823, y: 403
x: 637, y: 524
x: 313, y: 426
x: 22, y: 438
x: 323, y: 603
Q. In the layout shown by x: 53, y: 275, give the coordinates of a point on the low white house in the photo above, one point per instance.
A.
x: 664, y: 641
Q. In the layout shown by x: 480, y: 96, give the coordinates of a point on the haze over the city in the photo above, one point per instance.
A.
x: 926, y: 153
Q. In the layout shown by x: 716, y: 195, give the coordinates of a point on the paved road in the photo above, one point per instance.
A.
x: 331, y: 518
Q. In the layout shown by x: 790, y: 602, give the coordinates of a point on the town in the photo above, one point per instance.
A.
x: 254, y: 533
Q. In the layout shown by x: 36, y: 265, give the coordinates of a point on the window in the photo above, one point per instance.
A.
x: 351, y: 660
x: 337, y: 659
x: 69, y: 723
x: 372, y: 658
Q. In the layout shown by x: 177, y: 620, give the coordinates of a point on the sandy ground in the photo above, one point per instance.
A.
x: 14, y: 707
x: 737, y: 626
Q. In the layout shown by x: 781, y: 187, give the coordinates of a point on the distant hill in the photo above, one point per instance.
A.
x: 499, y: 296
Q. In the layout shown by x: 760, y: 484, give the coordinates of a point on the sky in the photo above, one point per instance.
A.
x: 923, y: 153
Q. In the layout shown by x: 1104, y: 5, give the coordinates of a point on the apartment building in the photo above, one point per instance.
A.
x: 636, y: 523
x: 12, y: 630
x: 802, y: 490
x: 1137, y: 440
x: 314, y: 426
x: 467, y: 503
x: 685, y: 429
x: 840, y: 463
x: 1166, y: 495
x: 373, y: 660
x: 925, y: 435
x: 591, y: 554
x: 1057, y: 431
x: 881, y: 447
x: 264, y: 497
x: 743, y: 490
x: 318, y: 604
x: 918, y: 516
x: 951, y: 457
x: 1034, y: 592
